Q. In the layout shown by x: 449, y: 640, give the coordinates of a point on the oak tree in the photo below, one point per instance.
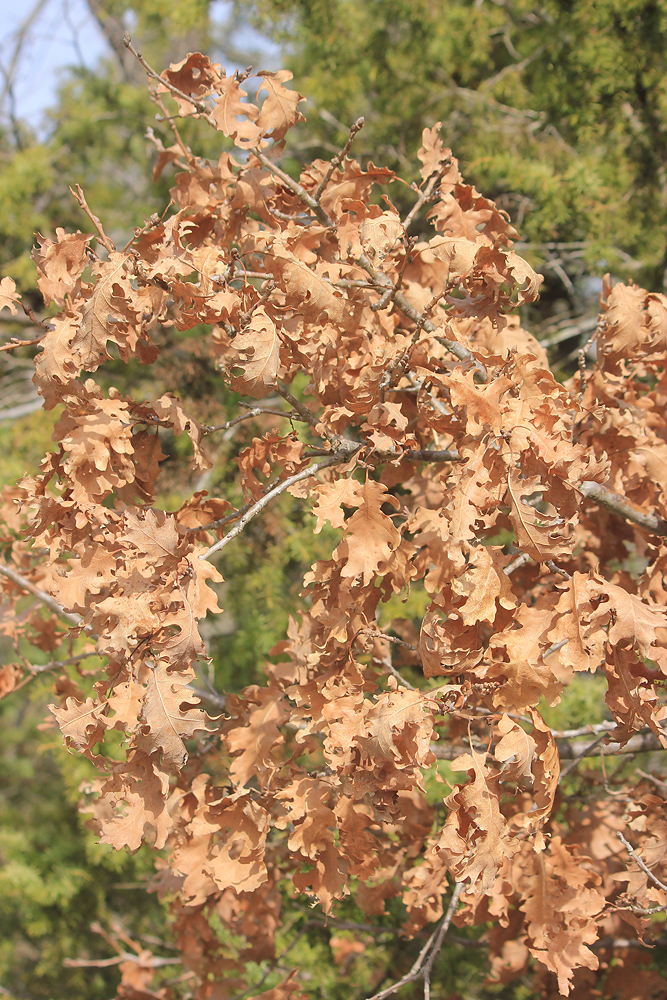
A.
x: 494, y: 536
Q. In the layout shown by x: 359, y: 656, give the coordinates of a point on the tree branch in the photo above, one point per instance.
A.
x: 620, y: 505
x: 41, y: 595
x: 268, y: 497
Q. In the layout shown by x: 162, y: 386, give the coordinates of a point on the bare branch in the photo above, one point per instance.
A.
x: 297, y: 188
x: 428, y: 192
x: 268, y: 497
x: 78, y: 195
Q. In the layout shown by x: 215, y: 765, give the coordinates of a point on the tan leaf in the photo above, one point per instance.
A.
x: 370, y: 535
x: 60, y: 263
x: 8, y: 295
x: 168, y: 716
x: 258, y: 347
x: 234, y: 116
x: 332, y: 497
x: 380, y: 235
x: 80, y: 723
x: 279, y: 110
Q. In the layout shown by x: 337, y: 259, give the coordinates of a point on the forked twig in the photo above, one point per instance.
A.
x: 428, y: 192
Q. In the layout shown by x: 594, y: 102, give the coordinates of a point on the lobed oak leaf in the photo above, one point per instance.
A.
x: 258, y: 347
x: 538, y: 533
x: 475, y: 840
x: 306, y: 291
x: 252, y: 734
x: 396, y: 738
x: 60, y: 264
x: 168, y: 716
x: 55, y: 365
x: 238, y: 862
x: 262, y: 456
x: 525, y: 279
x: 459, y: 255
x: 463, y: 211
x: 169, y: 408
x: 370, y: 535
x: 125, y: 702
x: 178, y: 641
x: 98, y: 315
x: 235, y: 117
x: 81, y: 723
x: 132, y: 804
x: 326, y: 880
x: 380, y: 235
x: 435, y: 157
x: 516, y: 750
x: 579, y: 624
x: 561, y: 901
x: 528, y: 677
x: 623, y: 330
x: 482, y: 584
x: 278, y: 112
x: 195, y: 75
x: 633, y: 620
x: 8, y: 295
x: 332, y: 497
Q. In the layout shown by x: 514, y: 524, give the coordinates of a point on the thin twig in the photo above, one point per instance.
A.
x: 389, y: 295
x: 642, y: 864
x: 554, y: 649
x: 428, y: 192
x: 517, y: 563
x: 585, y: 752
x: 200, y: 106
x: 444, y: 927
x: 623, y: 507
x: 337, y: 441
x: 423, y: 966
x: 557, y: 569
x: 79, y: 196
x: 644, y: 742
x: 14, y: 342
x: 338, y: 158
x: 297, y: 188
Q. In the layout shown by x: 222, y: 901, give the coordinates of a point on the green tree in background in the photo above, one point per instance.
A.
x: 557, y: 108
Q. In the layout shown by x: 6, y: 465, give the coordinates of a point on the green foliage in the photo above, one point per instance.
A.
x: 55, y: 881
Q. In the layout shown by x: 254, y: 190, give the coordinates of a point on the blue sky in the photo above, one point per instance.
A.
x: 63, y: 33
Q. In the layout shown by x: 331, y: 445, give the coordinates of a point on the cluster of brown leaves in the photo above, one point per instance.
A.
x: 449, y: 459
